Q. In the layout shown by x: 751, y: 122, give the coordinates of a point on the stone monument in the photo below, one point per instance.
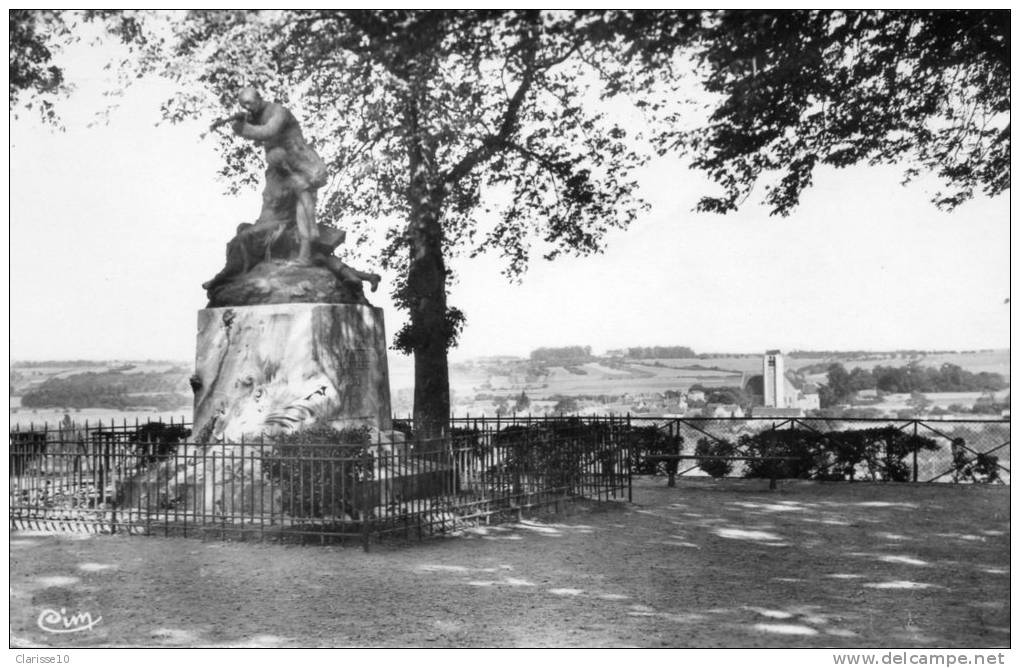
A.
x: 288, y: 339
x: 287, y: 342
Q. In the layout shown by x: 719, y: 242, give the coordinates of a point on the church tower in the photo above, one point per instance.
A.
x: 774, y: 379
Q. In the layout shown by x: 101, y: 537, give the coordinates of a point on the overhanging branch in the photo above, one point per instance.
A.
x: 498, y: 141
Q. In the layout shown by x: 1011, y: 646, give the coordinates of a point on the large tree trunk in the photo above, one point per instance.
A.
x: 426, y: 288
x: 426, y: 292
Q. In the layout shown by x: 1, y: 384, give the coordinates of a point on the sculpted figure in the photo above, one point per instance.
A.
x: 249, y: 245
x: 286, y: 227
x: 294, y: 172
x: 346, y: 273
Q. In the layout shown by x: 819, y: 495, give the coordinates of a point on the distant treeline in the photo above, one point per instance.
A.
x: 664, y: 352
x: 110, y: 389
x: 907, y: 379
x: 564, y: 355
x: 878, y: 354
x: 74, y: 364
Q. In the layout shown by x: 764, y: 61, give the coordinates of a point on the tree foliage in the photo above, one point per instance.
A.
x: 562, y: 355
x: 32, y: 70
x: 798, y: 90
x: 880, y: 453
x: 566, y: 405
x: 36, y: 81
x: 661, y: 352
x: 912, y: 378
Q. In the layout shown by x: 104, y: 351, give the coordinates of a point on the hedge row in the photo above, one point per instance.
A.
x: 882, y: 453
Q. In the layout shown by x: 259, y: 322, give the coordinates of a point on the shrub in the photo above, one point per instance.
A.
x: 897, y: 446
x: 805, y: 446
x: 551, y: 454
x: 157, y: 441
x: 646, y: 441
x: 717, y: 468
x: 320, y: 471
x: 982, y: 468
x: 849, y: 450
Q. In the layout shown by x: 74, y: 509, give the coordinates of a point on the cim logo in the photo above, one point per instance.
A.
x: 52, y: 621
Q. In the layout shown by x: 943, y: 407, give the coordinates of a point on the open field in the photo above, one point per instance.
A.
x: 52, y: 416
x: 32, y: 376
x: 706, y: 564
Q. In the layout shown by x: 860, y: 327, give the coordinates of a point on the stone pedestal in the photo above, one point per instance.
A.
x: 266, y: 370
x: 280, y: 368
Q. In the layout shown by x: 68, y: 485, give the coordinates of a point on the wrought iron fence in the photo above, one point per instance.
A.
x: 960, y: 451
x: 151, y: 478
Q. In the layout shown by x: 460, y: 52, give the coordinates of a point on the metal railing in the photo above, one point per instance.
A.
x: 150, y: 478
x: 848, y: 448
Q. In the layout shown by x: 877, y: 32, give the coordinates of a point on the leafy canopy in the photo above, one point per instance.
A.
x: 791, y: 91
x: 801, y: 89
x: 500, y: 101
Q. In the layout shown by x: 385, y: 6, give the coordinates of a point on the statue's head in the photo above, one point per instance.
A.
x: 250, y: 100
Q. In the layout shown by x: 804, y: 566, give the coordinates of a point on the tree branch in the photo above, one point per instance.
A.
x: 546, y: 163
x: 494, y: 142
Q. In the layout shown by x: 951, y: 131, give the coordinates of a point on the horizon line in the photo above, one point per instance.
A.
x: 725, y: 353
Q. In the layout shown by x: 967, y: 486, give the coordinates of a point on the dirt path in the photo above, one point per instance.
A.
x: 708, y: 564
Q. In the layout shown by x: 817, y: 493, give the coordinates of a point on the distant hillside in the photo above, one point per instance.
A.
x: 572, y: 371
x: 112, y: 389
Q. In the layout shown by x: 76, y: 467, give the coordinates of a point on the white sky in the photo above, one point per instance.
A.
x: 113, y: 229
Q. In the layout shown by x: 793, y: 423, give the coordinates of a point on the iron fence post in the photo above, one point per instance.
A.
x: 915, y: 450
x: 671, y: 467
x: 630, y: 462
x: 107, y: 456
x: 366, y: 528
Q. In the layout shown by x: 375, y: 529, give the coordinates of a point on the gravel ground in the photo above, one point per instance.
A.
x: 706, y: 564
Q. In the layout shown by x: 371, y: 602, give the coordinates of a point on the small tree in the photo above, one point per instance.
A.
x: 651, y: 441
x: 717, y: 468
x: 565, y: 406
x: 321, y: 472
x: 969, y: 467
x: 918, y: 401
x: 805, y: 446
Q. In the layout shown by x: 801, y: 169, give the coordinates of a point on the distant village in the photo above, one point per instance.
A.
x: 771, y: 394
x: 767, y: 394
x: 509, y: 386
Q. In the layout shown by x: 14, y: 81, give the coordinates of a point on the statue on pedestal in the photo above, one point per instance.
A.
x: 287, y: 344
x: 284, y: 256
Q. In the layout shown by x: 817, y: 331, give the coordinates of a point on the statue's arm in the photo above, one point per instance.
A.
x: 272, y: 127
